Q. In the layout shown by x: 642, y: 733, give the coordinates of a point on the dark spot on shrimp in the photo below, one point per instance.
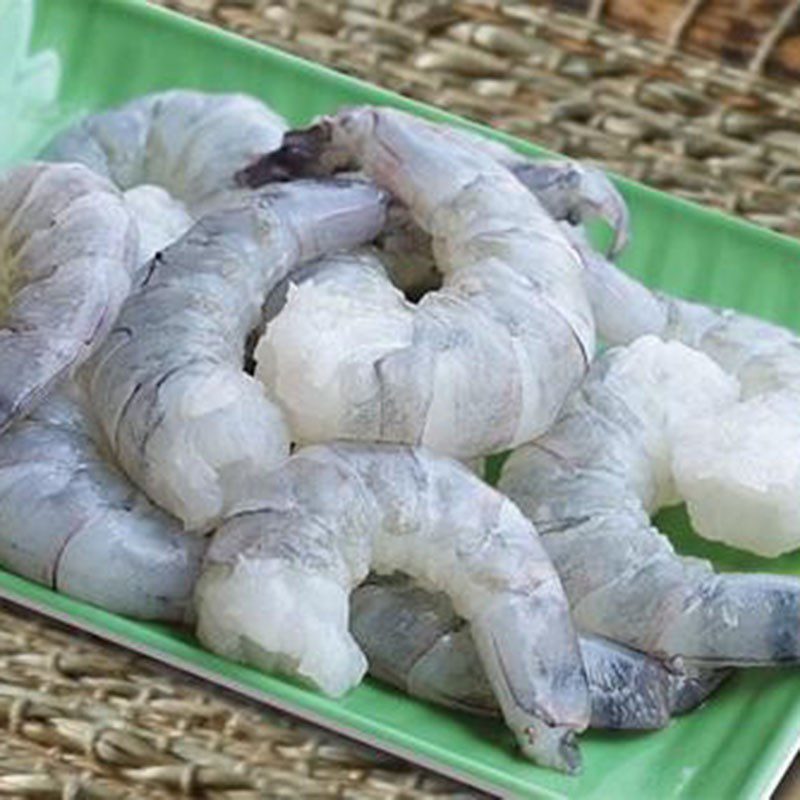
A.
x: 297, y: 157
x: 151, y: 267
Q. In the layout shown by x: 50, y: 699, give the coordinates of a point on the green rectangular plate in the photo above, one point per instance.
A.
x: 738, y: 745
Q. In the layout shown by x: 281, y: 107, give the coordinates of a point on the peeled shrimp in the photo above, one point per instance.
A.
x: 182, y: 417
x: 276, y: 579
x: 414, y: 640
x: 71, y: 520
x: 187, y: 142
x: 739, y: 471
x: 589, y: 485
x: 67, y: 253
x: 481, y: 365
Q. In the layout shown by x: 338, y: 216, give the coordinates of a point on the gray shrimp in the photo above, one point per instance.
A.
x: 481, y: 365
x: 589, y: 486
x: 71, y: 520
x: 277, y: 576
x: 414, y: 640
x: 67, y: 254
x: 738, y: 471
x: 182, y: 417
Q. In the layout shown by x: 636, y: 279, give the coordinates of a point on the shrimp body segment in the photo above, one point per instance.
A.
x: 276, y: 580
x: 738, y: 472
x: 72, y: 521
x: 481, y: 365
x: 590, y: 484
x: 182, y: 417
x: 67, y: 254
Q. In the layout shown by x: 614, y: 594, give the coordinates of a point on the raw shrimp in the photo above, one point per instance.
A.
x: 276, y: 579
x: 187, y: 142
x: 481, y: 365
x: 739, y: 472
x: 67, y: 253
x: 183, y: 418
x: 589, y: 485
x: 71, y: 520
x: 414, y: 640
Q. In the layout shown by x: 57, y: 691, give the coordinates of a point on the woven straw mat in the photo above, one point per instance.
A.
x: 86, y: 719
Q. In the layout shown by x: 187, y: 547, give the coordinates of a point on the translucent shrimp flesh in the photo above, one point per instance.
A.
x: 479, y: 366
x: 71, y: 520
x: 276, y: 579
x: 67, y: 253
x: 738, y: 472
x: 414, y: 640
x: 182, y: 417
x: 589, y: 486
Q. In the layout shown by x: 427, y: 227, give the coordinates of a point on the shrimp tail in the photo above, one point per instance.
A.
x: 576, y: 193
x: 519, y: 624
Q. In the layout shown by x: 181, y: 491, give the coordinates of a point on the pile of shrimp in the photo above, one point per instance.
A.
x: 251, y: 375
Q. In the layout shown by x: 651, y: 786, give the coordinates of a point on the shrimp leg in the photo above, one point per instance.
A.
x: 276, y: 579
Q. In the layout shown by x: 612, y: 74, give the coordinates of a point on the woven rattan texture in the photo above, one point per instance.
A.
x: 84, y: 719
x: 720, y: 135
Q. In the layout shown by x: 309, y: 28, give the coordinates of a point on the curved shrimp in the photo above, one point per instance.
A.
x: 738, y: 472
x: 415, y: 641
x: 67, y: 253
x: 589, y: 485
x: 479, y: 366
x: 187, y: 142
x: 182, y: 417
x: 71, y: 520
x: 333, y: 512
